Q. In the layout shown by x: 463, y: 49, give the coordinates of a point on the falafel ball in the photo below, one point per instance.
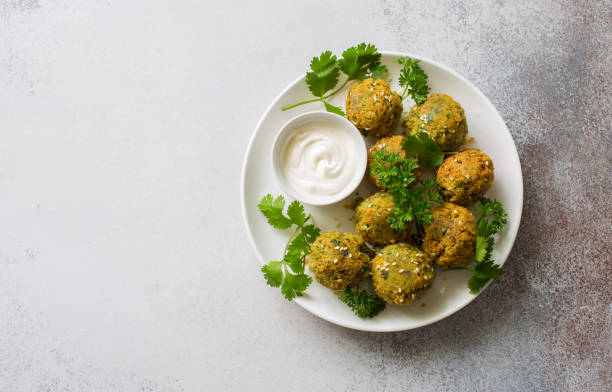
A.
x: 373, y: 108
x: 337, y: 260
x: 465, y: 177
x: 442, y: 118
x: 401, y: 273
x: 389, y: 144
x: 450, y: 240
x: 371, y: 220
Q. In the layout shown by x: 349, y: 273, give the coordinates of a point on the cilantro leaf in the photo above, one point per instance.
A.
x: 273, y: 210
x: 484, y: 272
x: 277, y: 273
x: 413, y: 79
x: 492, y: 220
x: 323, y: 75
x: 484, y: 247
x: 378, y: 72
x: 273, y: 273
x: 423, y: 146
x: 359, y: 61
x: 296, y: 213
x: 362, y: 303
x: 294, y: 285
x: 310, y: 233
x: 333, y: 109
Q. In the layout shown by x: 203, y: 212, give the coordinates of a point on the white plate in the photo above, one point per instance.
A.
x: 449, y: 292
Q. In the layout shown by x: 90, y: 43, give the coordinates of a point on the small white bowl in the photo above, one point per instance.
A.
x: 342, y: 123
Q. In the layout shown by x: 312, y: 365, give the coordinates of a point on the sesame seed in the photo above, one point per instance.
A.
x: 394, y: 263
x: 335, y: 261
x: 337, y: 247
x: 350, y: 255
x: 401, y: 300
x: 399, y: 290
x: 487, y: 163
x: 387, y: 269
x: 401, y: 270
x: 396, y: 254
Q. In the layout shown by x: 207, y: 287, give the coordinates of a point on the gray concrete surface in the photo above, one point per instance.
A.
x: 123, y: 126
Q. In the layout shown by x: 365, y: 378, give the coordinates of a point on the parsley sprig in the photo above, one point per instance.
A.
x: 395, y: 173
x: 363, y: 303
x: 491, y: 221
x: 288, y: 273
x: 357, y: 63
x: 413, y: 79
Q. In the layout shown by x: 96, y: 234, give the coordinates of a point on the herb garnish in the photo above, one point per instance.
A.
x: 491, y: 221
x: 413, y: 79
x: 363, y: 303
x: 277, y: 273
x: 394, y: 174
x: 424, y: 148
x: 357, y: 63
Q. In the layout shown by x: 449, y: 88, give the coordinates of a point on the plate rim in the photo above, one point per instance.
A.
x: 378, y: 328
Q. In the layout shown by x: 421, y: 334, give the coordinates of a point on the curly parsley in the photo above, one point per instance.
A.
x: 288, y: 273
x: 413, y: 79
x: 395, y: 174
x: 357, y: 63
x: 363, y: 303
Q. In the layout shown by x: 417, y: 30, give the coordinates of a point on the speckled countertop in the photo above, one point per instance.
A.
x: 123, y: 128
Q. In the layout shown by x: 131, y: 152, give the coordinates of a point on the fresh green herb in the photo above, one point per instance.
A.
x: 423, y: 146
x: 357, y: 63
x: 323, y: 75
x: 363, y: 303
x: 334, y: 109
x: 394, y: 174
x: 360, y: 62
x: 413, y: 79
x: 491, y: 221
x: 288, y: 274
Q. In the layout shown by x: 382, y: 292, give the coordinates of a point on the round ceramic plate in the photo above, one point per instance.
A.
x: 449, y: 292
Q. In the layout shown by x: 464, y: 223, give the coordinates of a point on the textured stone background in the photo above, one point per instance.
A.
x: 123, y: 128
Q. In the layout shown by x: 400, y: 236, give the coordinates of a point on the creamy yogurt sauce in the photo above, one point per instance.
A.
x: 319, y: 160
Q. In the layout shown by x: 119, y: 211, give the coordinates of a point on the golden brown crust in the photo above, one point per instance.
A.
x: 442, y: 118
x: 373, y: 108
x: 451, y: 239
x: 337, y: 261
x: 371, y: 221
x: 465, y: 177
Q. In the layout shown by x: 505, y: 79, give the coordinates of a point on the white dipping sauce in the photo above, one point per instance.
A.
x: 319, y: 160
